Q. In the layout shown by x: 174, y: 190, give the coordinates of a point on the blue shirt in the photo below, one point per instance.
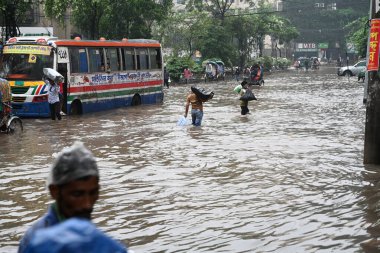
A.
x: 48, y: 220
x: 44, y: 233
x: 73, y: 235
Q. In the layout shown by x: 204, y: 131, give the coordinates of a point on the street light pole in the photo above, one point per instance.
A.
x: 372, y: 123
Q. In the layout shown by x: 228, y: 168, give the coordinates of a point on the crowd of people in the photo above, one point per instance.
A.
x: 307, y: 63
x: 253, y: 74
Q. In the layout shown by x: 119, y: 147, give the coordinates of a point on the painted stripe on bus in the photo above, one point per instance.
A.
x: 101, y: 98
x: 34, y: 90
x: 114, y: 93
x: 114, y: 86
x: 129, y: 89
x: 38, y: 89
x: 26, y: 83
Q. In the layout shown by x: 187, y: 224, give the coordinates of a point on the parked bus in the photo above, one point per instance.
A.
x: 98, y: 75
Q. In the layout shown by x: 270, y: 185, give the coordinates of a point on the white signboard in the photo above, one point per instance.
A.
x: 377, y: 6
x: 36, y: 31
x: 63, y: 55
x: 306, y: 47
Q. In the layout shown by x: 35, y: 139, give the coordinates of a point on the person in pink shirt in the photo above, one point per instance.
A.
x: 187, y: 74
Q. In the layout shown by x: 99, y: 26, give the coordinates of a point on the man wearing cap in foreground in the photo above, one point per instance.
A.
x: 74, y: 185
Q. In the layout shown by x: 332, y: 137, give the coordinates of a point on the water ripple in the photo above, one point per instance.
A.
x: 287, y: 178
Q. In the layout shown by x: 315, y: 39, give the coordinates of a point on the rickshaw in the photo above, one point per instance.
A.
x: 214, y: 70
x: 9, y: 123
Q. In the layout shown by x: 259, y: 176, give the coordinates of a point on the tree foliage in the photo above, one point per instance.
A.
x: 111, y: 19
x: 359, y: 32
x: 218, y: 44
x: 184, y: 31
x: 12, y: 15
x: 218, y: 32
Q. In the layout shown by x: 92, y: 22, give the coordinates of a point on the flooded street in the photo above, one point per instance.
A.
x: 289, y: 177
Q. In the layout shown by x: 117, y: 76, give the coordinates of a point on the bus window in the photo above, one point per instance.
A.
x: 142, y: 58
x: 129, y: 58
x: 119, y: 65
x: 112, y: 59
x: 78, y: 60
x: 96, y: 57
x: 25, y: 66
x: 155, y: 58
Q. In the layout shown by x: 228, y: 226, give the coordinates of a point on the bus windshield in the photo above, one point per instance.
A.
x: 25, y: 64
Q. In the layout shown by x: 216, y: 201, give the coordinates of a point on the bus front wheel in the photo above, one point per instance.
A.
x: 76, y: 108
x: 136, y: 100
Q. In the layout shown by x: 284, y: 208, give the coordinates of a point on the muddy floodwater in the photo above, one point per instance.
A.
x: 289, y: 177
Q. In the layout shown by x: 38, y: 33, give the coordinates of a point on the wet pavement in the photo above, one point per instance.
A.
x: 289, y: 177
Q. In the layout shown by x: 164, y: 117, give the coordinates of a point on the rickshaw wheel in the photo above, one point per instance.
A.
x: 15, y: 126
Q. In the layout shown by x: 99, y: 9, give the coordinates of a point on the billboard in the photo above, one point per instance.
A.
x: 306, y: 47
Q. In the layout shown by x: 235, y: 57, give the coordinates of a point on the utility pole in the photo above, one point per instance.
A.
x: 372, y: 123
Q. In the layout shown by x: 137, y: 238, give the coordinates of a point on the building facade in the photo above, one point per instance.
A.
x: 322, y: 26
x: 35, y: 23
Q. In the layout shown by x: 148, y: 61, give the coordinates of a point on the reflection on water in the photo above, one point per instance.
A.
x: 287, y: 178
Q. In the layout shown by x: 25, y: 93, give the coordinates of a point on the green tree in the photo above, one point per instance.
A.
x: 359, y: 32
x: 12, y: 15
x: 218, y: 43
x: 281, y: 30
x: 182, y: 31
x: 232, y: 40
x: 111, y: 19
x: 243, y: 29
x: 87, y: 15
x: 219, y: 9
x: 250, y: 29
x: 141, y: 16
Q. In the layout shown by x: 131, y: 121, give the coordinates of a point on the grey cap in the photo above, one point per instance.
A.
x: 73, y: 163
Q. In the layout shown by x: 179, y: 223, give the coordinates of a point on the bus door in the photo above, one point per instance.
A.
x: 62, y: 69
x: 63, y: 66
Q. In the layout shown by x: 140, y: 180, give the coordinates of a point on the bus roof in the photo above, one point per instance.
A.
x: 109, y: 43
x: 30, y: 39
x: 88, y: 43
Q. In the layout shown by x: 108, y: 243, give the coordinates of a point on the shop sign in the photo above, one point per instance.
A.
x: 374, y: 36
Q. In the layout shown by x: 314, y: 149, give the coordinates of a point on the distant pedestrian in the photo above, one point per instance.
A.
x: 166, y: 78
x: 244, y: 103
x: 307, y: 63
x: 246, y: 73
x: 339, y: 62
x: 237, y: 73
x: 297, y: 64
x: 187, y: 74
x: 53, y: 99
x: 261, y: 71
